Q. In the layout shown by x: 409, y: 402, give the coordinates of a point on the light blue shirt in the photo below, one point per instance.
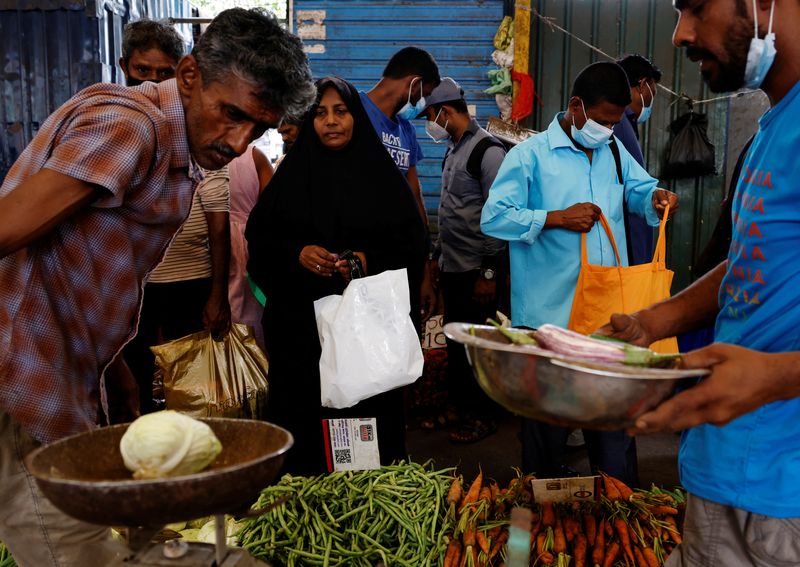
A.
x: 754, y: 461
x: 548, y: 173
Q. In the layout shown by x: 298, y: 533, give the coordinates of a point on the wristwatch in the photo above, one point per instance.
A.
x: 487, y: 274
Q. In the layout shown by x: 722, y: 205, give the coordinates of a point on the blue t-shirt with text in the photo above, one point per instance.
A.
x: 753, y: 463
x: 399, y: 137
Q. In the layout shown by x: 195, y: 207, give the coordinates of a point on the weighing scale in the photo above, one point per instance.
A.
x: 84, y: 476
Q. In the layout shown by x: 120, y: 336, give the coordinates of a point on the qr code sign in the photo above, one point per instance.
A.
x: 343, y: 456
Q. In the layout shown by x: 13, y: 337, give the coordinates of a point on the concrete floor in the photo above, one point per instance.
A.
x: 498, y: 453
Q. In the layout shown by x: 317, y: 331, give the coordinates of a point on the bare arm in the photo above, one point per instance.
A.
x: 38, y: 205
x: 217, y: 312
x: 741, y: 381
x: 427, y: 293
x: 416, y: 189
x: 264, y: 168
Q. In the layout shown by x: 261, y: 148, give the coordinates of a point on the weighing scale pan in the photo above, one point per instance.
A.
x: 85, y: 477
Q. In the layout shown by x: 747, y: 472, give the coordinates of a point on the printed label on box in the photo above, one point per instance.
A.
x: 566, y: 489
x: 351, y: 444
x: 434, y: 333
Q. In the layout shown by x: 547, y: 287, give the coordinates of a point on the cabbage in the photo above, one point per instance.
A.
x: 190, y: 534
x: 208, y: 532
x: 168, y: 443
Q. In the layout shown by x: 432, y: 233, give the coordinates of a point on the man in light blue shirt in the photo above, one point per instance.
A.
x: 549, y: 190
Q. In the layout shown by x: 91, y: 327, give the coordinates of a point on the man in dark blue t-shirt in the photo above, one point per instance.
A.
x: 398, y: 97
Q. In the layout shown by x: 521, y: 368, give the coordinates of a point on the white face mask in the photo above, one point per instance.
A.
x: 646, y: 110
x: 761, y: 54
x: 411, y: 111
x: 592, y: 135
x: 436, y: 132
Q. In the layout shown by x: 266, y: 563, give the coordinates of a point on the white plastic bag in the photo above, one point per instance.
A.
x: 369, y: 343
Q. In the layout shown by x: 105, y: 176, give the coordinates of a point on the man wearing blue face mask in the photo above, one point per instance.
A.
x: 550, y: 189
x: 643, y: 78
x: 391, y: 104
x: 740, y: 453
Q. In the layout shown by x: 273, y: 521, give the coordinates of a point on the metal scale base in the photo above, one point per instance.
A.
x: 198, y: 555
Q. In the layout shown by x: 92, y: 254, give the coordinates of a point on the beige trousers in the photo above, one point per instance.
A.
x: 35, y: 531
x: 715, y: 535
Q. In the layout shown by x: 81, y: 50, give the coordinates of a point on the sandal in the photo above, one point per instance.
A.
x: 472, y: 431
x: 440, y: 421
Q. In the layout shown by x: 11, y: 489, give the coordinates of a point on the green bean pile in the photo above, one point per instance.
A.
x: 395, y: 515
x: 5, y: 557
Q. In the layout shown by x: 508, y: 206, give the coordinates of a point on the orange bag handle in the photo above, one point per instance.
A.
x: 607, y: 227
x: 660, y: 254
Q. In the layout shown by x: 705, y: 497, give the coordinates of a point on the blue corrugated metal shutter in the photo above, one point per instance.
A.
x: 355, y: 38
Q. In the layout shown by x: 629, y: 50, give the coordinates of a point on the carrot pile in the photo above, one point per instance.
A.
x: 625, y: 527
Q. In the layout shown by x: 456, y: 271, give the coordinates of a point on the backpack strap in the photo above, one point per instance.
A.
x: 618, y: 163
x: 476, y: 156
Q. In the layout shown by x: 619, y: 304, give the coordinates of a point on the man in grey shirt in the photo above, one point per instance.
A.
x: 468, y: 261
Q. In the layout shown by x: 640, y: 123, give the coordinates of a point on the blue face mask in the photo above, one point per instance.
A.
x: 592, y: 135
x: 646, y: 110
x: 762, y: 53
x: 411, y: 111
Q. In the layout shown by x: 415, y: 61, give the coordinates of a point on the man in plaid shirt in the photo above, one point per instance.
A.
x: 86, y: 213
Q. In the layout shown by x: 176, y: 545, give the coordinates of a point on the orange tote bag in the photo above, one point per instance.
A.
x: 604, y: 290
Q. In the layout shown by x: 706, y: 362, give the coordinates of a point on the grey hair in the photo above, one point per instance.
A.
x: 251, y: 45
x: 145, y: 34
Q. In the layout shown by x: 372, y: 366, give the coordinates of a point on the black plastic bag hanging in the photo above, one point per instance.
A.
x: 691, y: 153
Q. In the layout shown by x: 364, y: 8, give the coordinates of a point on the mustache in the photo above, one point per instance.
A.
x: 225, y: 150
x: 699, y: 52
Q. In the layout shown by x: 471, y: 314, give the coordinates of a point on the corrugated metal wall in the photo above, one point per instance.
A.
x: 355, y: 39
x: 51, y: 49
x: 637, y: 26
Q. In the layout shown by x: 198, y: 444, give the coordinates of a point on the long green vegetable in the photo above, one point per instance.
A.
x: 5, y: 557
x: 394, y: 515
x: 516, y: 337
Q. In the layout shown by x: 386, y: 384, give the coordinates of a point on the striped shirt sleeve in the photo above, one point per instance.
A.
x: 214, y: 191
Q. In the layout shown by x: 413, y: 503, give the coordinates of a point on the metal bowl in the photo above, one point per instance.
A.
x: 540, y: 384
x: 85, y: 477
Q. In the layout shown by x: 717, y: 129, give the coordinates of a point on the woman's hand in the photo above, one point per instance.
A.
x: 318, y: 261
x: 343, y: 266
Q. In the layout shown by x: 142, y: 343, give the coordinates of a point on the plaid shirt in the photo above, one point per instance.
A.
x: 70, y: 300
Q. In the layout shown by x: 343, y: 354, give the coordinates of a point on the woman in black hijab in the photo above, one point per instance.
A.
x: 337, y: 189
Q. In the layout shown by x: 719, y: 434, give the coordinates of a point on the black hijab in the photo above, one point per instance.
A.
x: 354, y: 198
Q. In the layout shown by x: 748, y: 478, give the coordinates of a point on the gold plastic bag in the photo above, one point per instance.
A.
x: 206, y: 378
